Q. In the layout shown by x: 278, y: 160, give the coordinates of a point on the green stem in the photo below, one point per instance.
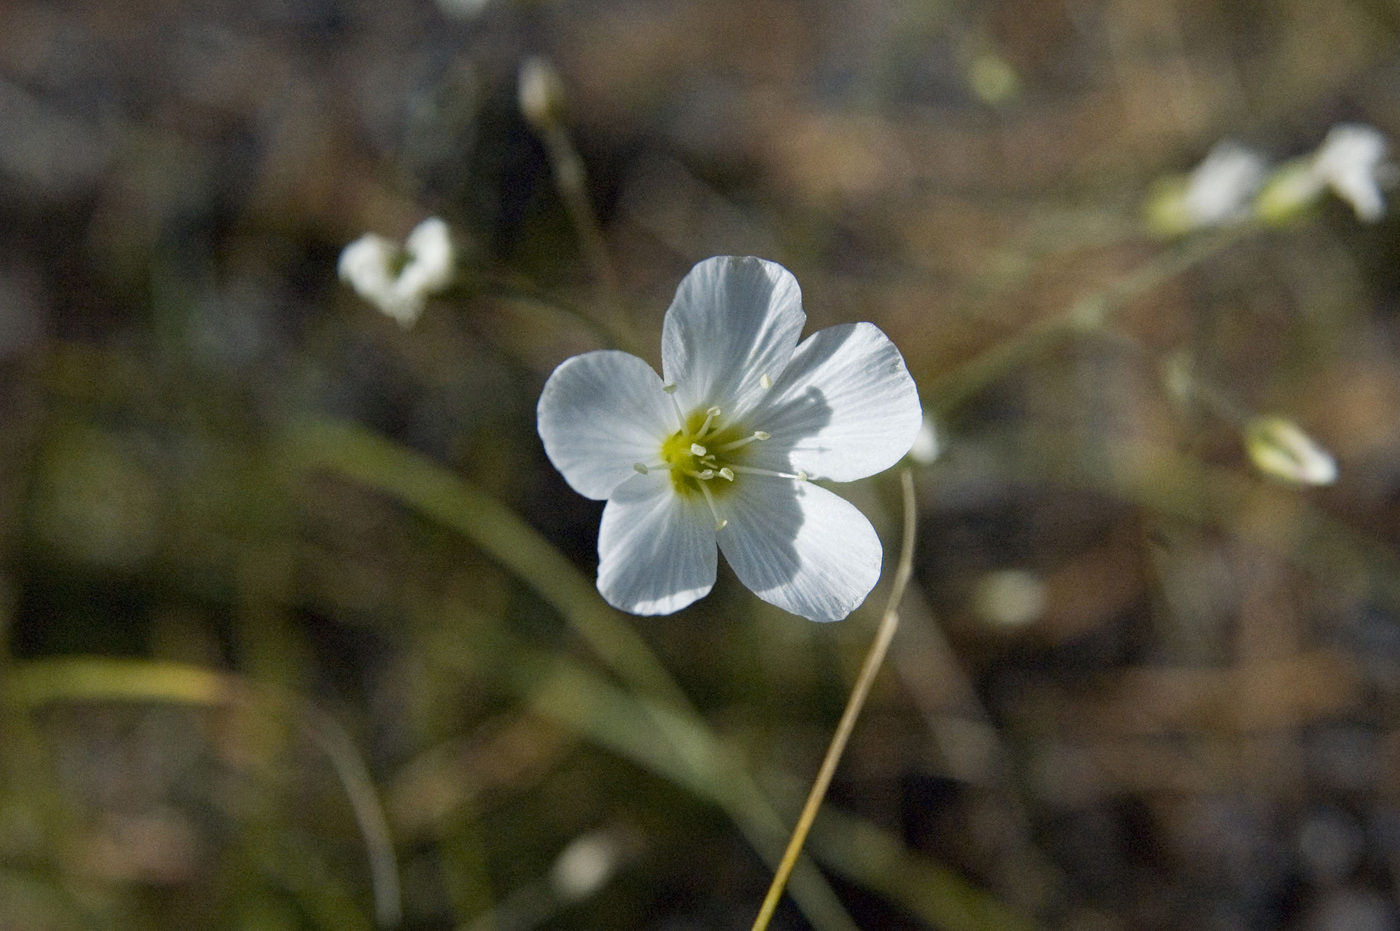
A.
x: 427, y: 487
x: 950, y: 391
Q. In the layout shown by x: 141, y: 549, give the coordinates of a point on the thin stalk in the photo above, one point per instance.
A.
x: 1095, y: 312
x: 873, y: 660
x: 570, y: 179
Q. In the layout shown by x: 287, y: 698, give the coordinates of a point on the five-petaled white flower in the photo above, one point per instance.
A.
x: 720, y: 449
x: 400, y: 279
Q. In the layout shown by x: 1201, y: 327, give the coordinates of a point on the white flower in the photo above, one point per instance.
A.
x: 720, y: 449
x: 399, y: 280
x: 1279, y: 447
x: 1220, y: 190
x: 1222, y: 186
x: 1348, y: 161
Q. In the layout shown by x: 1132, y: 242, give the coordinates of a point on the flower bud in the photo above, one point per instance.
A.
x: 1217, y: 192
x: 541, y: 93
x: 926, y: 446
x: 585, y: 865
x: 1279, y: 448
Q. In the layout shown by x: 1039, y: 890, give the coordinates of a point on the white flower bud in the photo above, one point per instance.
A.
x: 585, y: 865
x: 1279, y: 448
x: 927, y: 447
x: 1218, y: 191
x: 1350, y: 161
x: 541, y: 93
x: 1009, y: 598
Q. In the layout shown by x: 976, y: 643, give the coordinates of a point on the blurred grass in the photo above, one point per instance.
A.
x: 261, y: 548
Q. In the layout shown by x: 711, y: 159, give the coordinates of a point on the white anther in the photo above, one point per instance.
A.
x: 721, y: 523
x: 801, y: 476
x: 669, y: 389
x: 765, y: 380
x: 727, y: 472
x: 760, y: 435
x: 697, y: 450
x: 710, y: 416
x: 705, y: 474
x: 640, y: 467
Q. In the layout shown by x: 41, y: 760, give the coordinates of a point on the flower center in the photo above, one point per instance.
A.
x: 706, y: 456
x: 706, y: 449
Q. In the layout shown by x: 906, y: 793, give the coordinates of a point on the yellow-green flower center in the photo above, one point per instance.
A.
x: 705, y: 456
x: 706, y: 450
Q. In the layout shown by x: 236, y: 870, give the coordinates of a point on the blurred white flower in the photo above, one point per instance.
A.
x: 1222, y: 186
x: 1220, y: 190
x: 585, y: 865
x: 1348, y: 162
x: 1351, y: 161
x: 720, y: 450
x: 1279, y: 448
x: 400, y: 279
x: 1009, y: 598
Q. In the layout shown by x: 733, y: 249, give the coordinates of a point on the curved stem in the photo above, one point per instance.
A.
x: 873, y: 660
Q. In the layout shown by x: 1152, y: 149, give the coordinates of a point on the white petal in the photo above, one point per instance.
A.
x: 734, y: 320
x: 600, y: 413
x: 656, y: 550
x: 365, y: 266
x: 432, y: 260
x: 800, y: 547
x: 845, y: 407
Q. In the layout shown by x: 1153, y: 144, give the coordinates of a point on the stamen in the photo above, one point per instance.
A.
x: 697, y: 450
x: 727, y: 472
x: 704, y: 474
x: 757, y: 435
x: 676, y: 405
x: 720, y: 522
x: 710, y: 416
x: 749, y: 470
x: 640, y: 467
x: 765, y: 381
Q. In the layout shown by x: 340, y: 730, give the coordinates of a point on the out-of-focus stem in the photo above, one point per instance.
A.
x: 948, y: 392
x: 542, y: 104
